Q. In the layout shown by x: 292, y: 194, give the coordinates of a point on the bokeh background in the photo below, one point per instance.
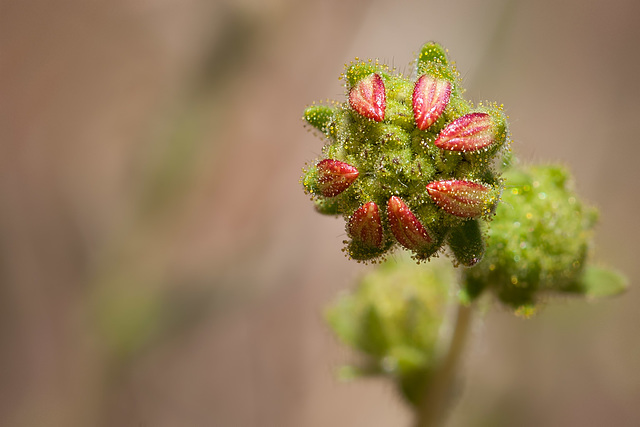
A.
x: 160, y: 265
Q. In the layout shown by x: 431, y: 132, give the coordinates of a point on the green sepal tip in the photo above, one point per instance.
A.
x: 320, y: 117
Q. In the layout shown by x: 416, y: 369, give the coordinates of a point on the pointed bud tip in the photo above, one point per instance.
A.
x: 365, y: 227
x: 368, y: 97
x: 406, y: 227
x: 335, y: 176
x: 471, y: 132
x: 430, y: 98
x: 465, y: 199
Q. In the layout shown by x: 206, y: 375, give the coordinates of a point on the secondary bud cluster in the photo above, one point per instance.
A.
x: 539, y: 241
x: 408, y: 161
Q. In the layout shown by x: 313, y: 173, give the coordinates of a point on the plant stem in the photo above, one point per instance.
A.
x: 437, y: 397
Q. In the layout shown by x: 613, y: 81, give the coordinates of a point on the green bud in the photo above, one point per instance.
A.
x: 359, y: 71
x: 432, y: 60
x: 319, y: 116
x: 466, y: 243
x: 328, y: 206
x: 393, y: 318
x: 431, y: 53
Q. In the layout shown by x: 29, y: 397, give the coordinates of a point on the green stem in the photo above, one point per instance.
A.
x: 436, y: 400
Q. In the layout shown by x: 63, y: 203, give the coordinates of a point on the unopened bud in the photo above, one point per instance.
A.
x: 365, y: 227
x: 368, y: 97
x: 430, y: 98
x: 406, y: 227
x: 466, y: 199
x: 470, y: 132
x: 335, y: 176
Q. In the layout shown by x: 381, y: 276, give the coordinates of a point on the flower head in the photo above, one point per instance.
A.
x: 406, y: 161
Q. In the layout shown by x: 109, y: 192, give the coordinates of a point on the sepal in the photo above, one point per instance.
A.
x: 466, y: 243
x: 320, y: 117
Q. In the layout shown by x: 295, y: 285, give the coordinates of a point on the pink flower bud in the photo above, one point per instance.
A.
x: 466, y: 199
x: 406, y: 228
x: 335, y: 176
x: 470, y: 132
x: 368, y: 97
x: 430, y: 98
x: 365, y: 227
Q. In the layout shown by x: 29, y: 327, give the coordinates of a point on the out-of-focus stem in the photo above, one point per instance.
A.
x: 436, y: 400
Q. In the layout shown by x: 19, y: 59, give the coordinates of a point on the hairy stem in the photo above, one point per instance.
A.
x: 436, y: 400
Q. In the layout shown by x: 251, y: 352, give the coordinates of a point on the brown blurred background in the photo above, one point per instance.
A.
x: 160, y: 265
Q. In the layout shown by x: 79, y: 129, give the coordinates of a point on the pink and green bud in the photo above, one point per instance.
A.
x: 465, y: 199
x: 406, y: 227
x: 368, y: 97
x: 430, y: 98
x: 471, y: 132
x: 365, y: 227
x: 335, y: 176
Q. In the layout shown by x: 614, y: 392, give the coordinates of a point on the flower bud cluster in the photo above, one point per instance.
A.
x: 408, y: 161
x: 538, y: 242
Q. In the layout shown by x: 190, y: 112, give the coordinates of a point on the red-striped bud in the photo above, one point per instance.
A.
x: 466, y: 199
x: 470, y: 132
x: 430, y: 98
x: 406, y: 227
x: 365, y: 227
x: 335, y: 176
x: 368, y: 97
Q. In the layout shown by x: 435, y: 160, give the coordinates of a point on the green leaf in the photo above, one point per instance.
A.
x: 599, y: 282
x: 342, y: 318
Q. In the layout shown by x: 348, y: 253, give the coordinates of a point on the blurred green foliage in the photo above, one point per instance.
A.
x: 393, y: 317
x: 539, y: 243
